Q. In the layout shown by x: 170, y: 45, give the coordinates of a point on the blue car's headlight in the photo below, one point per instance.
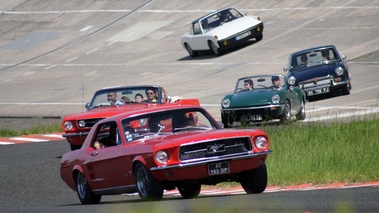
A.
x: 291, y: 81
x: 339, y: 71
x: 275, y: 99
x: 225, y: 103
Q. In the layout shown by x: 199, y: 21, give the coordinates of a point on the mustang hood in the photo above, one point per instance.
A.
x: 252, y: 98
x: 313, y: 71
x: 234, y: 27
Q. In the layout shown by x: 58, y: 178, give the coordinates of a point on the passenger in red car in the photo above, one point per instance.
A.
x: 151, y: 95
x: 110, y: 140
x: 112, y: 98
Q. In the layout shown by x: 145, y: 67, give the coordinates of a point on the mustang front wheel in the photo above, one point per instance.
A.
x: 148, y: 188
x: 85, y: 194
x: 255, y: 181
x: 190, y: 191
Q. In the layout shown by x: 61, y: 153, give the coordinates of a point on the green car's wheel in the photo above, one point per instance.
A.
x: 286, y: 116
x: 301, y: 114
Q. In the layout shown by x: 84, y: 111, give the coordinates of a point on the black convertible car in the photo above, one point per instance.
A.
x: 319, y: 70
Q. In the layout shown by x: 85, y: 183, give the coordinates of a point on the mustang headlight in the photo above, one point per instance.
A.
x: 291, y: 81
x: 260, y: 142
x: 68, y: 125
x: 225, y: 103
x: 275, y: 99
x: 339, y: 71
x: 81, y: 123
x: 142, y: 122
x: 161, y: 157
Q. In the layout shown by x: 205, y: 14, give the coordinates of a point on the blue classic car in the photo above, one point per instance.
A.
x: 257, y: 99
x: 319, y: 70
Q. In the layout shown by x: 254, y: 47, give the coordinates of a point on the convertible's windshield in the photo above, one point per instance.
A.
x: 313, y: 57
x: 264, y: 82
x: 218, y: 19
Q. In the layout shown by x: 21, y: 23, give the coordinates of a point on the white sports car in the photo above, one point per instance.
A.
x: 221, y: 29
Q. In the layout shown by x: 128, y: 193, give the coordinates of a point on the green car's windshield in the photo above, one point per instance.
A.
x: 260, y: 83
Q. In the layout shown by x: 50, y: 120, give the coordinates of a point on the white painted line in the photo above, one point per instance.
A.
x: 72, y: 59
x: 29, y: 73
x: 89, y: 52
x: 86, y: 28
x: 90, y: 73
x: 53, y: 136
x: 112, y: 42
x: 6, y: 143
x: 6, y: 80
x: 28, y: 139
x: 52, y: 66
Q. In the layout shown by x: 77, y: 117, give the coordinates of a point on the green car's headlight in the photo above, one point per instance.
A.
x: 291, y: 81
x: 225, y: 103
x: 275, y: 99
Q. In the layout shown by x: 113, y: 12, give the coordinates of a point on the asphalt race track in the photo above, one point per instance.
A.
x: 55, y: 54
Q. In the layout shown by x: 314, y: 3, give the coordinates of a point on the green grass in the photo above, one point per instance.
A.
x: 41, y: 129
x: 323, y: 152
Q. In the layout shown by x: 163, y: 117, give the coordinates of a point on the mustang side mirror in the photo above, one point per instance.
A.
x: 86, y: 105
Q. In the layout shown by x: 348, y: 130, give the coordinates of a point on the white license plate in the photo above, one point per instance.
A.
x: 318, y: 91
x: 243, y: 35
x: 252, y: 118
x: 218, y: 168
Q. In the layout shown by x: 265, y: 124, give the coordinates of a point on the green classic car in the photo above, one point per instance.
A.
x: 262, y: 98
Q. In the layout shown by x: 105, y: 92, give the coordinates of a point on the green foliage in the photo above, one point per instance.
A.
x: 42, y: 129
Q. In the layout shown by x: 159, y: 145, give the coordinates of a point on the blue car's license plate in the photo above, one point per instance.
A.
x: 218, y: 168
x: 318, y: 91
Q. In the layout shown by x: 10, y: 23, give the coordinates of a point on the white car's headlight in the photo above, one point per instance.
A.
x: 260, y: 142
x: 142, y: 122
x: 81, y: 123
x: 68, y: 125
x: 225, y: 103
x: 161, y: 157
x: 339, y: 71
x: 275, y: 99
x: 291, y: 81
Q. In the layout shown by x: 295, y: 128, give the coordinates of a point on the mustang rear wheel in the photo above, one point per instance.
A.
x: 148, y: 188
x: 85, y: 194
x: 190, y: 191
x: 190, y: 51
x: 214, y: 48
x: 301, y: 114
x: 286, y: 116
x: 255, y: 181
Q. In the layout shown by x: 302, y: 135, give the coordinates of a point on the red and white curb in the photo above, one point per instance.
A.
x: 31, y: 139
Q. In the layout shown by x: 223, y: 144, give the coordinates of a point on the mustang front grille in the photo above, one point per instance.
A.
x: 90, y: 122
x: 222, y: 147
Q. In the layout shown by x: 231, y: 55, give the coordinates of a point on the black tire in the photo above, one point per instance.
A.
x: 212, y: 46
x: 190, y: 191
x: 346, y: 89
x: 75, y: 147
x: 259, y: 37
x: 225, y: 121
x: 301, y: 115
x: 255, y: 181
x: 286, y: 116
x: 191, y: 52
x: 148, y: 188
x: 84, y: 191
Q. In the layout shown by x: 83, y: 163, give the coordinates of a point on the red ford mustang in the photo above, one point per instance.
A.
x: 156, y: 149
x: 111, y: 101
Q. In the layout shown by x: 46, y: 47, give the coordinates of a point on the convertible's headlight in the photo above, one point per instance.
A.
x: 275, y: 99
x: 225, y: 103
x: 142, y: 122
x: 81, y: 123
x: 339, y: 71
x: 161, y: 157
x: 291, y: 81
x: 68, y: 125
x: 260, y: 142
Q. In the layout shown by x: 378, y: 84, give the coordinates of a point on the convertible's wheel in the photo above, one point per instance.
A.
x: 214, y: 48
x: 148, y: 188
x: 85, y: 194
x: 286, y: 116
x: 259, y: 37
x: 346, y: 89
x: 225, y: 121
x: 301, y: 114
x: 190, y: 191
x: 255, y: 181
x: 190, y: 51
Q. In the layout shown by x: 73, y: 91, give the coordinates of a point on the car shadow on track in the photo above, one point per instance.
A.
x: 208, y: 54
